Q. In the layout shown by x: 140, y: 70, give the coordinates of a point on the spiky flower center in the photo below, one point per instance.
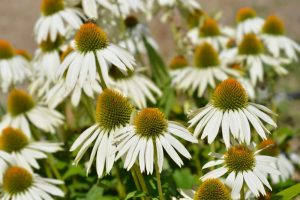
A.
x: 24, y: 54
x: 271, y: 147
x: 245, y: 14
x: 231, y: 43
x: 212, y: 189
x: 239, y: 158
x: 273, y: 26
x: 209, y: 28
x: 16, y: 180
x: 194, y: 17
x: 131, y: 21
x: 250, y: 45
x: 150, y: 122
x: 50, y: 7
x: 90, y: 37
x: 229, y: 95
x: 178, y: 62
x: 116, y: 74
x: 113, y: 109
x: 12, y: 140
x: 48, y: 45
x: 268, y: 196
x: 206, y: 56
x: 6, y: 50
x: 19, y: 101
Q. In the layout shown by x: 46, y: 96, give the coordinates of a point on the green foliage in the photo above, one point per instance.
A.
x: 289, y: 193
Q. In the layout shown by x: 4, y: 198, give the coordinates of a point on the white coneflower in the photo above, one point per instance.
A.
x: 283, y: 164
x: 209, y: 32
x: 272, y: 34
x: 210, y: 189
x: 136, y: 33
x: 207, y: 69
x: 242, y: 166
x: 60, y: 91
x: 25, y: 151
x: 54, y: 17
x: 247, y: 22
x: 22, y: 109
x: 137, y: 87
x: 93, y: 52
x: 113, y: 111
x: 151, y: 132
x: 230, y: 109
x: 251, y: 52
x: 14, y: 68
x: 22, y: 184
x: 191, y: 4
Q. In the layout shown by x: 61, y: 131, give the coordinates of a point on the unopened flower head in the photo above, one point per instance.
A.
x: 230, y: 109
x: 113, y: 110
x: 178, y: 62
x: 245, y: 14
x: 19, y: 102
x: 243, y: 166
x: 131, y: 21
x: 13, y: 140
x: 6, y: 50
x: 206, y: 56
x: 90, y: 38
x: 250, y: 45
x: 151, y: 130
x: 230, y: 95
x: 49, y: 7
x: 273, y: 26
x: 212, y: 189
x: 209, y: 28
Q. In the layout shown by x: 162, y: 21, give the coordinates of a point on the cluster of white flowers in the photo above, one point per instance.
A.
x: 77, y: 59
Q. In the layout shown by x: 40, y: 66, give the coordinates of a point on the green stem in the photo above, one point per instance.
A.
x: 135, y: 179
x: 159, y: 187
x: 102, y: 82
x: 121, y: 188
x: 243, y: 193
x: 197, y: 160
x: 55, y: 171
x: 88, y: 106
x: 140, y: 179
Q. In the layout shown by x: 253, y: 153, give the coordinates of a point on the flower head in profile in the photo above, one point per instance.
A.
x: 23, y: 110
x: 247, y: 22
x: 242, y: 166
x: 136, y: 86
x: 55, y: 17
x: 251, y: 51
x: 283, y: 163
x: 230, y: 109
x: 206, y: 70
x: 92, y: 52
x: 210, y: 32
x: 273, y: 36
x: 113, y: 111
x: 21, y: 183
x: 151, y: 134
x: 25, y: 151
x: 210, y: 189
x: 15, y: 69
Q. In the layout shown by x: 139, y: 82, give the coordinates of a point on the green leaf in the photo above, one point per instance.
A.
x: 184, y: 179
x: 135, y: 194
x: 289, y: 193
x: 74, y: 171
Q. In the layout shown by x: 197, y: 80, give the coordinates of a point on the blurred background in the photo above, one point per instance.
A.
x: 18, y: 18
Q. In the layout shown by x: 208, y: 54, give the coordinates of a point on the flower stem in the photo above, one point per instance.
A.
x: 243, y: 192
x: 88, y: 106
x: 159, y: 187
x: 140, y: 178
x: 102, y: 82
x: 121, y: 188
